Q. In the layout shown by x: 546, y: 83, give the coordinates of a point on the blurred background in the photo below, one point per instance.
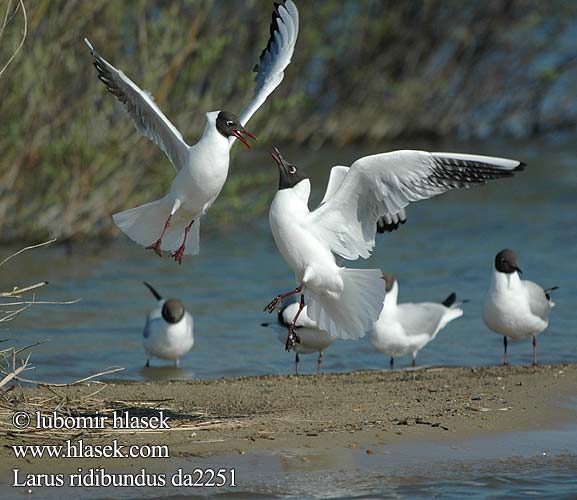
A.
x: 493, y: 77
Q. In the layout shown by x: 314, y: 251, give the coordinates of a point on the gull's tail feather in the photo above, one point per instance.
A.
x: 352, y: 314
x: 144, y: 225
x: 451, y: 314
x: 175, y: 235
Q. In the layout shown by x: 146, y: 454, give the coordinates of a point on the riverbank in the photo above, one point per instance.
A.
x: 355, y: 410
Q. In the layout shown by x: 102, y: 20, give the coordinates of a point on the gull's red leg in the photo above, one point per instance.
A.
x: 319, y: 362
x: 180, y: 251
x: 279, y: 298
x: 534, y: 351
x: 505, y: 357
x: 292, y: 337
x: 156, y: 246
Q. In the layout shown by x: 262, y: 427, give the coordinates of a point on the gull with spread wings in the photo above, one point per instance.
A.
x: 346, y: 302
x: 172, y: 223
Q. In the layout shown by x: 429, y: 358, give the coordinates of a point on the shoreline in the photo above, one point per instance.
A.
x: 363, y: 409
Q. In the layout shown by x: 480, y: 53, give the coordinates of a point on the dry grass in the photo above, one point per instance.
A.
x: 85, y: 401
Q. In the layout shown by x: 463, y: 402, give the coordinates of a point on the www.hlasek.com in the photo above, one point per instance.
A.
x: 99, y: 477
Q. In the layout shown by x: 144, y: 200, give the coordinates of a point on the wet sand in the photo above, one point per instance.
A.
x: 348, y: 410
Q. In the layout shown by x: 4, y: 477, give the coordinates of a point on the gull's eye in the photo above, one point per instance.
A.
x: 229, y: 123
x: 292, y: 169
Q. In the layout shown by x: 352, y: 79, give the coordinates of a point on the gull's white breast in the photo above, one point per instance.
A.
x: 307, y: 256
x: 507, y: 309
x: 168, y: 341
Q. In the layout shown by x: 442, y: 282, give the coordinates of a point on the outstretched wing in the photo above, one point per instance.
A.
x: 387, y: 223
x: 140, y: 106
x: 384, y: 184
x: 336, y: 178
x: 274, y: 58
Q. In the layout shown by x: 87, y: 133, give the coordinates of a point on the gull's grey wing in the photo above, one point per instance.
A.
x: 152, y: 321
x: 419, y: 319
x: 140, y: 106
x: 539, y: 304
x: 274, y: 58
x: 384, y: 184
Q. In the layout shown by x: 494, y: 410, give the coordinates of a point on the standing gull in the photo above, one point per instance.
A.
x: 168, y: 332
x: 311, y: 339
x: 406, y: 328
x: 516, y: 308
x: 172, y: 223
x: 346, y: 302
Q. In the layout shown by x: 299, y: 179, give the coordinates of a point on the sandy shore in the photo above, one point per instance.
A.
x: 359, y: 409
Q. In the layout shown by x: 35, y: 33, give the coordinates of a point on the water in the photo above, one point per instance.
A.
x: 447, y: 245
x: 518, y: 465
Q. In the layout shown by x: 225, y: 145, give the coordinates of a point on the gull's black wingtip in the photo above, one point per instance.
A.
x: 450, y: 300
x: 152, y: 290
x: 273, y: 27
x: 520, y: 167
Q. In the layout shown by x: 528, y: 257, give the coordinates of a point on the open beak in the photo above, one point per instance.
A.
x: 241, y: 130
x: 275, y: 153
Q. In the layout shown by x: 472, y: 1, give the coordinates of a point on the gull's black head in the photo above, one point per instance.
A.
x: 289, y: 175
x: 506, y: 262
x: 172, y: 311
x: 389, y: 281
x: 228, y: 124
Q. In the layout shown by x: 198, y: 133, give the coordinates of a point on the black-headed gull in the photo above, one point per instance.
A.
x: 173, y: 222
x: 311, y: 339
x: 346, y: 302
x: 406, y: 328
x: 168, y: 332
x: 516, y: 308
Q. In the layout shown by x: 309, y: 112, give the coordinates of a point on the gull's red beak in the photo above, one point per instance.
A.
x: 237, y: 133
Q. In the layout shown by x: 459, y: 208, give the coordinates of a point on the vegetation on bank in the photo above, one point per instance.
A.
x: 365, y: 70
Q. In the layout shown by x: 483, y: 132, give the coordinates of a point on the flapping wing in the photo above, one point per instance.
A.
x: 384, y: 184
x: 140, y: 106
x: 386, y: 224
x: 391, y: 222
x: 274, y: 58
x: 336, y: 178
